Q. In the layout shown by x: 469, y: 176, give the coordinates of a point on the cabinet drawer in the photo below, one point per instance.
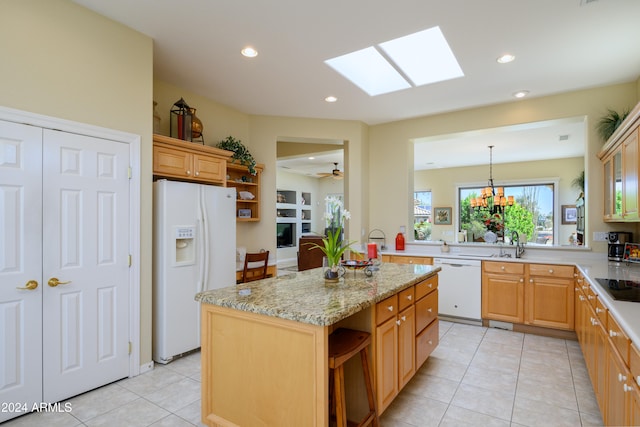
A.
x: 386, y: 309
x: 634, y: 363
x: 426, y: 310
x: 601, y: 312
x: 551, y: 270
x: 403, y: 259
x: 426, y: 342
x: 503, y: 267
x: 426, y: 286
x: 405, y: 298
x: 592, y: 297
x: 619, y: 339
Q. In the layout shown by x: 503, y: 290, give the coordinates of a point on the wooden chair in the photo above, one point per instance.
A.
x: 255, y: 266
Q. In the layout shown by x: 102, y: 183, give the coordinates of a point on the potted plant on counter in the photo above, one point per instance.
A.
x: 333, y: 246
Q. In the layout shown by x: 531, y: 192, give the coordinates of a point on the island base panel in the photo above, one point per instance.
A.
x: 246, y: 356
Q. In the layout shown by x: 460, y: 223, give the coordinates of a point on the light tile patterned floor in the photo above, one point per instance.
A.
x: 476, y: 377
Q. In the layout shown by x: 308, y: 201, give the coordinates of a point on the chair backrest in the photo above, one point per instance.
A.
x: 255, y: 266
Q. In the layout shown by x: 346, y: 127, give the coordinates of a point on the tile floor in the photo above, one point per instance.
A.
x: 476, y: 377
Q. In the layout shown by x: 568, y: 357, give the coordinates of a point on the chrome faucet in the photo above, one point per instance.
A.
x: 515, y: 237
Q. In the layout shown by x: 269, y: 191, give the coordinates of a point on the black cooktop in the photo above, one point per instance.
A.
x: 622, y: 290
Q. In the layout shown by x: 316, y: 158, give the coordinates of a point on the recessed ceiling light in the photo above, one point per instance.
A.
x: 249, y: 52
x: 311, y: 158
x: 331, y: 99
x: 504, y: 59
x: 521, y: 93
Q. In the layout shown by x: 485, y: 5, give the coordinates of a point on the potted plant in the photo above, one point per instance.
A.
x: 609, y: 123
x: 332, y: 245
x: 240, y: 152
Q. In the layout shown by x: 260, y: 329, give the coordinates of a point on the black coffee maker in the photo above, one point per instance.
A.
x: 617, y: 239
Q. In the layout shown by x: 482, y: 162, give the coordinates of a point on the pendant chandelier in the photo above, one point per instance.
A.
x: 491, y: 198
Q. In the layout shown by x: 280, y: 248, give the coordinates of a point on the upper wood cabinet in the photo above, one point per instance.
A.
x: 188, y: 161
x: 620, y: 162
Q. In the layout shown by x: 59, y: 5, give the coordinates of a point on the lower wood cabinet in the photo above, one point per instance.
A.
x: 503, y: 291
x: 617, y: 399
x: 549, y: 296
x: 531, y: 294
x: 426, y: 342
x: 406, y: 332
x: 612, y: 361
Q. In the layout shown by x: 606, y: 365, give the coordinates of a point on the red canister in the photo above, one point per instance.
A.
x: 400, y: 242
x: 372, y: 250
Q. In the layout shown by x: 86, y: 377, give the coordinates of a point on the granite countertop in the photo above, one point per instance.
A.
x: 305, y: 296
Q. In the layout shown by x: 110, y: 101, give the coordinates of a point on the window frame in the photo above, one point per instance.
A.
x: 413, y: 216
x: 555, y: 181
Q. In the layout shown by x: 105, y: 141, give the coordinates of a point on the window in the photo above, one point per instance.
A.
x: 422, y: 215
x: 532, y: 215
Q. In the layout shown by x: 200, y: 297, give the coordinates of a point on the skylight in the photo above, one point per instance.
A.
x: 369, y: 70
x: 414, y: 60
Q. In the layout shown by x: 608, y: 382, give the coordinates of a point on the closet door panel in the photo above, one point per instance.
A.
x: 20, y: 267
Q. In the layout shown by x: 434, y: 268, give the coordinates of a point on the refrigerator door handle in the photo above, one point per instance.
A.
x: 204, y: 266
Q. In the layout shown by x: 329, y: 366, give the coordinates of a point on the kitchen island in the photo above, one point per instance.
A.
x: 265, y: 343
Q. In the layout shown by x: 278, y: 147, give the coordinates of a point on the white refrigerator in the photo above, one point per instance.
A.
x: 194, y: 249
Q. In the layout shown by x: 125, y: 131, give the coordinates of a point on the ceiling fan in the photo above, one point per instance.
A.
x: 335, y: 173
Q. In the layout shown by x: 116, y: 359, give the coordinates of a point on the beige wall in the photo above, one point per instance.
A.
x: 62, y: 60
x: 390, y: 155
x: 443, y: 185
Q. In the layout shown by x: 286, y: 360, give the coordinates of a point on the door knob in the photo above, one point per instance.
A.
x: 54, y: 281
x: 29, y: 286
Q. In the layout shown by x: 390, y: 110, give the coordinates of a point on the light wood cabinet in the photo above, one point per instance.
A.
x: 247, y: 209
x: 549, y: 296
x: 630, y: 159
x: 406, y: 333
x: 620, y: 159
x: 593, y: 340
x: 634, y: 406
x: 532, y: 294
x: 187, y: 161
x: 386, y: 363
x: 406, y: 345
x: 634, y: 401
x: 503, y: 291
x: 612, y: 361
x: 407, y: 259
x: 618, y: 403
x: 426, y: 296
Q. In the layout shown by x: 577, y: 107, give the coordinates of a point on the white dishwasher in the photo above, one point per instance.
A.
x: 459, y: 288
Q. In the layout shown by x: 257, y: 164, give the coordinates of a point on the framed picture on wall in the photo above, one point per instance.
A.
x: 569, y: 214
x: 442, y: 216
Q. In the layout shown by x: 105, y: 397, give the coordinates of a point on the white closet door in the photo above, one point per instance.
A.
x: 20, y: 267
x: 86, y: 248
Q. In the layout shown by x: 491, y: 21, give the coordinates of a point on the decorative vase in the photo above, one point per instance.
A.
x: 331, y: 273
x: 196, y: 125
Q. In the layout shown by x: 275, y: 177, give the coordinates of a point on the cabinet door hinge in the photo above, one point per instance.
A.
x: 130, y: 172
x: 130, y: 347
x: 130, y: 260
